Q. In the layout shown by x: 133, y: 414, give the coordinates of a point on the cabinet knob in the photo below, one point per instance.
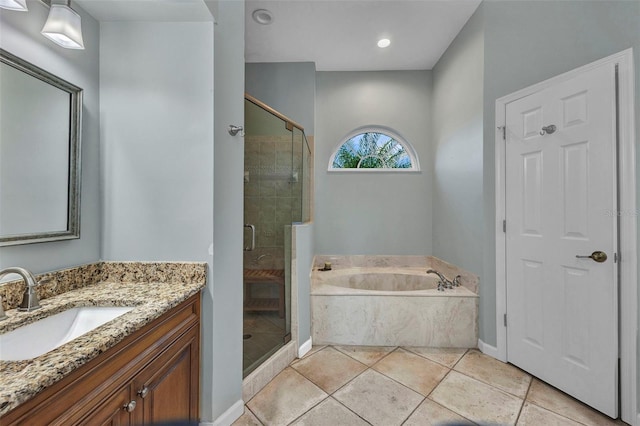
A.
x: 143, y: 392
x: 130, y: 406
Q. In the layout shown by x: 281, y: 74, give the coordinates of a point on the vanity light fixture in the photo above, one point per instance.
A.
x: 63, y: 26
x: 17, y: 5
x: 384, y: 42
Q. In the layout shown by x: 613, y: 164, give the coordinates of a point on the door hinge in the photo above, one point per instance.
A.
x: 505, y: 320
x: 616, y: 258
x: 504, y: 226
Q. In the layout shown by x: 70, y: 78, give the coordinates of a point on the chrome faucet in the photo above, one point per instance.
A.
x: 443, y: 283
x: 30, y: 299
x: 456, y: 281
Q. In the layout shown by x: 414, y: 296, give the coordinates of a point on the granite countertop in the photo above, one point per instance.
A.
x: 22, y: 380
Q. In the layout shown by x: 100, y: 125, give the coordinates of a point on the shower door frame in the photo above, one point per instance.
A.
x: 290, y: 125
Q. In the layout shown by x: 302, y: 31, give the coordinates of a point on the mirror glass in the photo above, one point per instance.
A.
x: 39, y: 154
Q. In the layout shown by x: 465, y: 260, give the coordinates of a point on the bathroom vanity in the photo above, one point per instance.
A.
x: 140, y: 368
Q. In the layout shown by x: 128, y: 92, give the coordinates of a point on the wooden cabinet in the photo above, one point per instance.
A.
x: 150, y: 377
x: 167, y: 389
x: 111, y: 412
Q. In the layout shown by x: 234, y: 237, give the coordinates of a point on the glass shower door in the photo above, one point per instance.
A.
x: 268, y: 204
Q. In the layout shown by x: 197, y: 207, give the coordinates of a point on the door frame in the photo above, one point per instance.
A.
x: 628, y: 268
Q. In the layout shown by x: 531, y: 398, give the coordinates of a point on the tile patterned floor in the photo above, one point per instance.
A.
x: 355, y: 385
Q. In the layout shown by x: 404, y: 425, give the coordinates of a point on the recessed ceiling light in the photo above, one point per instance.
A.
x: 384, y: 42
x: 262, y: 16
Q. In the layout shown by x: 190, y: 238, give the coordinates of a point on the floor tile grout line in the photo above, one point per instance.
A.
x: 414, y: 410
x: 463, y: 355
x: 524, y: 401
x: 254, y: 415
x: 350, y: 356
x: 553, y: 411
x: 386, y: 355
x: 341, y: 386
x: 359, y: 416
x: 350, y: 380
x: 372, y: 369
x: 406, y: 348
x: 311, y: 408
x: 402, y: 384
x: 489, y: 384
x: 472, y: 378
x: 449, y: 409
x: 558, y: 414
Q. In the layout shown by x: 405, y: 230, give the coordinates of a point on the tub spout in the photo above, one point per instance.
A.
x: 444, y: 282
x: 456, y: 281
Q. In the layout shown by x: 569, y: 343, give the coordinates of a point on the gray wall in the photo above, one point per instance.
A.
x: 457, y: 149
x: 157, y: 140
x: 20, y: 35
x: 157, y: 150
x: 369, y: 212
x: 527, y: 42
x: 226, y: 355
x: 287, y: 87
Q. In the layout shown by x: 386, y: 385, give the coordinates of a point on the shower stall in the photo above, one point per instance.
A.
x: 277, y: 186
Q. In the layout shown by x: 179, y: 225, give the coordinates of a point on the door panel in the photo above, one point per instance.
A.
x: 112, y: 412
x: 560, y: 185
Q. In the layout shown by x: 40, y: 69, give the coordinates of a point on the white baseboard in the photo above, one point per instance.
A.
x: 227, y: 418
x: 304, y: 348
x: 487, y: 349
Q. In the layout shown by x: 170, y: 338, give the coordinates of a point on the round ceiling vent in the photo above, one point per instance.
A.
x: 262, y: 16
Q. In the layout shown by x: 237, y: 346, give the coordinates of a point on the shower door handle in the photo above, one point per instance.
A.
x: 253, y: 237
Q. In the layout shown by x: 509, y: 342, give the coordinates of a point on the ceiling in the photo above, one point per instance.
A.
x: 338, y: 35
x: 147, y: 10
x: 341, y: 35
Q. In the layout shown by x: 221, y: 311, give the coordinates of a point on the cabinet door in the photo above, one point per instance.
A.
x: 168, y: 388
x: 115, y: 411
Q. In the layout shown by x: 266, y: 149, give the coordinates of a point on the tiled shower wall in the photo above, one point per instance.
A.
x: 272, y: 196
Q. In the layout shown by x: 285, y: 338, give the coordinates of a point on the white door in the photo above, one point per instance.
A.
x: 561, y: 194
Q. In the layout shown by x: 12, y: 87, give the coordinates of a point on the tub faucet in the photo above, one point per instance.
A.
x: 443, y: 283
x: 456, y: 281
x: 30, y: 299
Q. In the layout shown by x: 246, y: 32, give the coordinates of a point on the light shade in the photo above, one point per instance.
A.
x: 19, y: 5
x: 63, y: 27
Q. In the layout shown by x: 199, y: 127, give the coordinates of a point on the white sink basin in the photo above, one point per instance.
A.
x: 45, y: 335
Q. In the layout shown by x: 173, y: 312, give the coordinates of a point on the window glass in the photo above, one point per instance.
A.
x: 373, y: 148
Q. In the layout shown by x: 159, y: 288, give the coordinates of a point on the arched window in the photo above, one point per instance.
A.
x: 374, y: 148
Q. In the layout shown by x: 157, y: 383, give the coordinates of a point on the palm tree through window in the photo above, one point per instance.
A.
x: 372, y: 150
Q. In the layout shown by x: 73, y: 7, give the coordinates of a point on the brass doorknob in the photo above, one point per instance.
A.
x: 597, y: 256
